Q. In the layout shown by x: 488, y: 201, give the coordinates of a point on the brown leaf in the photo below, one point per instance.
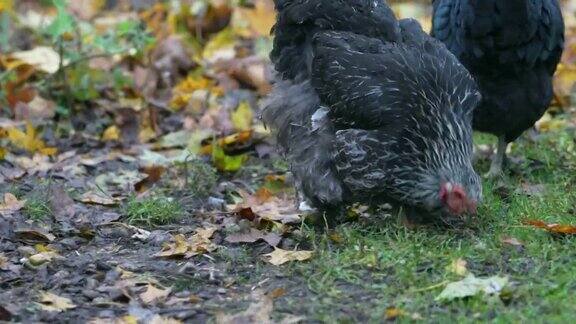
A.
x: 11, y: 204
x: 154, y: 175
x: 91, y: 197
x: 257, y: 312
x: 171, y: 59
x: 32, y: 235
x: 553, y: 228
x: 251, y: 71
x: 154, y: 295
x: 254, y: 235
x: 62, y: 206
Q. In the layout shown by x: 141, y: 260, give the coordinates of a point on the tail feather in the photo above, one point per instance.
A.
x: 307, y: 142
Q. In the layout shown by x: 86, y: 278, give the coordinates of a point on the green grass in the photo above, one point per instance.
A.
x: 383, y: 264
x: 37, y: 209
x: 152, y: 211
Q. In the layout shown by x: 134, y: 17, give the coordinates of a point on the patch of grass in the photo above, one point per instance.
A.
x: 383, y: 264
x: 202, y: 178
x: 37, y: 209
x: 153, y: 211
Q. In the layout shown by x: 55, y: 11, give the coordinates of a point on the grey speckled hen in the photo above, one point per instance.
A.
x: 368, y: 108
x: 512, y: 48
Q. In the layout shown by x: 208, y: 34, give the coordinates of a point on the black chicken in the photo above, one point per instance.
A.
x: 369, y: 108
x: 512, y: 48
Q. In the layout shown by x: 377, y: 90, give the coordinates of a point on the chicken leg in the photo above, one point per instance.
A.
x: 498, y: 158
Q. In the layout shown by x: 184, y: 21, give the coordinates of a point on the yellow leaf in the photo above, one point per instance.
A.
x: 260, y: 19
x: 458, y: 267
x: 111, y: 133
x: 54, y: 303
x: 176, y: 249
x: 2, y: 153
x: 280, y: 256
x: 184, y: 91
x: 147, y: 134
x: 28, y: 140
x: 242, y: 116
x: 6, y: 5
x: 548, y: 124
x: 221, y: 46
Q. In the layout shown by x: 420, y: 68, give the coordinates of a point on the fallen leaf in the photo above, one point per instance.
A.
x: 265, y: 206
x: 197, y: 244
x: 54, y: 303
x: 392, y: 313
x: 11, y: 204
x: 512, y: 241
x: 3, y: 262
x: 257, y: 312
x: 154, y: 175
x: 471, y: 286
x: 157, y: 319
x: 220, y: 47
x: 532, y: 190
x: 112, y: 133
x: 91, y: 197
x: 29, y: 140
x: 280, y: 256
x: 254, y: 235
x: 458, y: 267
x: 227, y: 163
x: 242, y: 116
x: 553, y: 228
x: 41, y: 258
x: 549, y: 124
x: 153, y: 295
x: 260, y: 19
x: 176, y: 249
x: 43, y: 58
x: 34, y: 235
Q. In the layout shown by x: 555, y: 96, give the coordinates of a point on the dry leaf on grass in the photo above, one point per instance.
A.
x: 280, y: 256
x: 512, y: 241
x: 471, y: 286
x: 458, y: 267
x: 552, y: 228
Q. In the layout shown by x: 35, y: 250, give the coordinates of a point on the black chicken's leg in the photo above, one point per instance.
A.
x: 498, y: 158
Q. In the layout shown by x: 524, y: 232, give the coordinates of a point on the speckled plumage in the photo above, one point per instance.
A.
x: 368, y: 108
